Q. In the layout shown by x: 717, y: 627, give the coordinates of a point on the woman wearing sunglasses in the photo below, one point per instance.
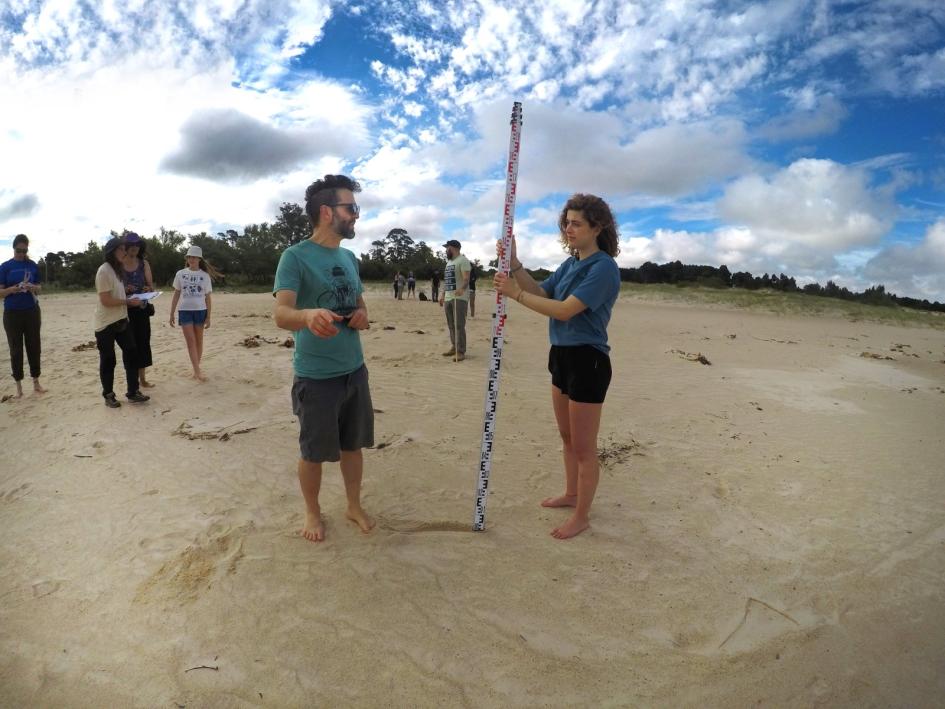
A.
x: 19, y: 278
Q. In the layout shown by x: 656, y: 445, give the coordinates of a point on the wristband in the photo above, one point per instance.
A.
x: 519, y: 268
x: 521, y: 294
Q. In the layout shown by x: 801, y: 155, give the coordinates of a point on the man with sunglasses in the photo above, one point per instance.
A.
x: 19, y: 286
x: 319, y: 297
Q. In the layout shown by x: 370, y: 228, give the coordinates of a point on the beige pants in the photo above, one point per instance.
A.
x: 458, y: 328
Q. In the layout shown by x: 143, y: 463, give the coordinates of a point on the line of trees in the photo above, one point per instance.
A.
x: 250, y: 259
x: 721, y: 277
x: 399, y: 252
x: 245, y: 259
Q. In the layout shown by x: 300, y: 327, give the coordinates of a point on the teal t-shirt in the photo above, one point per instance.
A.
x: 323, y: 278
x: 595, y: 281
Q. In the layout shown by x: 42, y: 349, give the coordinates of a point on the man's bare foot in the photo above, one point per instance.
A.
x: 571, y: 528
x: 560, y: 501
x: 360, y: 518
x: 37, y: 387
x: 314, y: 529
x: 19, y: 390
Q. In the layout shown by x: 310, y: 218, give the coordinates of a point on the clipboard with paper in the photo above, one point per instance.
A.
x: 146, y: 296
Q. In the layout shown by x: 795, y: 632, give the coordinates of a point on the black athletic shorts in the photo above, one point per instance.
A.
x: 581, y: 372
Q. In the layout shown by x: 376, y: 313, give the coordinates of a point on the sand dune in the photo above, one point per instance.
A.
x: 769, y: 528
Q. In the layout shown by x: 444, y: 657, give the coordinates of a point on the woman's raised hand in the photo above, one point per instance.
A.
x: 506, y: 285
x: 513, y: 260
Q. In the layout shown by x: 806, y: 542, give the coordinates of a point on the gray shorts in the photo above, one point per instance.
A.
x: 334, y: 415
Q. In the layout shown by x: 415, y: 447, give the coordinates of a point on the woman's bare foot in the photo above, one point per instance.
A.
x: 146, y: 384
x: 314, y: 529
x: 37, y: 387
x: 200, y: 376
x: 360, y: 518
x: 560, y: 501
x: 19, y: 390
x: 571, y: 528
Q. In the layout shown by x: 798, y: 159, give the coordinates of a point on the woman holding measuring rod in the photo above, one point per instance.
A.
x: 578, y: 298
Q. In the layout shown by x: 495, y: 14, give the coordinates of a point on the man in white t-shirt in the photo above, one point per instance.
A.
x: 455, y: 298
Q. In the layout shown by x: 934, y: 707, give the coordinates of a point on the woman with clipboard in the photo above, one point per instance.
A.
x: 136, y: 275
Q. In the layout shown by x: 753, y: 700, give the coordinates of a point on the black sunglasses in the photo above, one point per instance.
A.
x: 20, y: 250
x: 352, y: 207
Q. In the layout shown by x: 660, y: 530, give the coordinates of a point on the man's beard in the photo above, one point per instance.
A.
x: 344, y: 229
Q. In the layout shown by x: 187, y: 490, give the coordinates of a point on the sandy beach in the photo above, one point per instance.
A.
x: 769, y: 529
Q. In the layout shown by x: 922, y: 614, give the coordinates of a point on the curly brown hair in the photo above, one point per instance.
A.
x: 598, y: 214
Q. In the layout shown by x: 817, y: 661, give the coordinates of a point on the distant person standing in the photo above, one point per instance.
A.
x: 396, y: 284
x: 455, y: 298
x: 401, y: 285
x: 20, y: 286
x: 411, y: 285
x: 473, y: 275
x: 319, y: 297
x: 111, y: 326
x: 136, y: 274
x: 435, y: 286
x: 192, y: 288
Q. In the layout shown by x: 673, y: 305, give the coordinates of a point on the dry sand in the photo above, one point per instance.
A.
x: 769, y: 530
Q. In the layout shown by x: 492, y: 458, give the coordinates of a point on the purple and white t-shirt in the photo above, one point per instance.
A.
x: 194, y: 287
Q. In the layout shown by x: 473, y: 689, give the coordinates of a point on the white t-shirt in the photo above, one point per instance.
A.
x: 453, y: 278
x: 107, y: 281
x: 194, y: 286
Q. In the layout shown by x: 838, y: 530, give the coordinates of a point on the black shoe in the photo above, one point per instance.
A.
x: 111, y: 402
x: 137, y: 397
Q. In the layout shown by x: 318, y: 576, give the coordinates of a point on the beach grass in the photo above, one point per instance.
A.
x: 781, y: 303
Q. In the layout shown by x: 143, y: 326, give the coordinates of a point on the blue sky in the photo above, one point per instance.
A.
x: 804, y: 137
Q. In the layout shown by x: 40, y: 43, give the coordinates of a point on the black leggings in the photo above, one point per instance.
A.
x: 20, y: 326
x: 105, y: 339
x: 141, y: 329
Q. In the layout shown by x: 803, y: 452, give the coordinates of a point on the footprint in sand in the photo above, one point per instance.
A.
x: 16, y: 493
x: 721, y: 491
x: 193, y: 571
x: 45, y: 588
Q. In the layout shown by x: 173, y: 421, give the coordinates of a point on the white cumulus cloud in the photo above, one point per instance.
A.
x: 819, y: 204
